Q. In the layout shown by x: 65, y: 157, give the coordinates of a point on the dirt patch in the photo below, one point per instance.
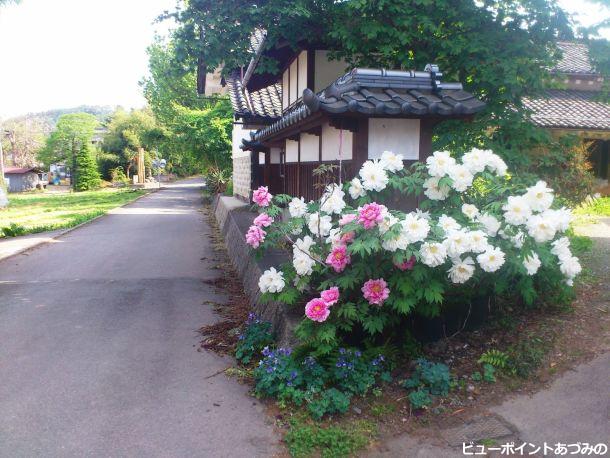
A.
x: 222, y: 337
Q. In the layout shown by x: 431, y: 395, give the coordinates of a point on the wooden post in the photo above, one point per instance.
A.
x: 141, y: 166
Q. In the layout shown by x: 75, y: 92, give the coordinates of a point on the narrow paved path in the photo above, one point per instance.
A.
x: 97, y: 343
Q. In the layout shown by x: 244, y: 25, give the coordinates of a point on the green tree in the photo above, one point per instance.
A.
x: 197, y: 129
x: 88, y: 176
x: 127, y: 133
x: 71, y: 133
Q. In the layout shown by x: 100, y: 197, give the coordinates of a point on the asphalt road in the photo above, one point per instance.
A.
x: 98, y: 344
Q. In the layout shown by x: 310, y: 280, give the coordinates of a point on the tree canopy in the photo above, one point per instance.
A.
x: 71, y: 132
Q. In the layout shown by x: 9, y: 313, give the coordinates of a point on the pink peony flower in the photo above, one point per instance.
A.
x: 370, y: 215
x: 376, y: 291
x: 406, y: 265
x: 338, y: 258
x: 263, y: 220
x: 348, y: 218
x: 262, y: 196
x: 255, y: 236
x: 330, y: 295
x: 348, y: 237
x: 317, y: 310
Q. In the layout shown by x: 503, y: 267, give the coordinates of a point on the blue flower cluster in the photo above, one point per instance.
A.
x: 274, y: 359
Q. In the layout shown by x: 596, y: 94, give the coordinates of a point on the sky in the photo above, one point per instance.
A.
x: 65, y: 53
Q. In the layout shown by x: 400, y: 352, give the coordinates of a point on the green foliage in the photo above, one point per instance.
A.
x: 596, y: 207
x: 489, y: 373
x: 527, y: 356
x: 217, y: 180
x: 305, y: 439
x: 255, y: 336
x: 326, y: 387
x: 420, y: 398
x: 197, y: 129
x: 13, y: 230
x: 495, y: 358
x: 435, y: 378
x: 87, y: 176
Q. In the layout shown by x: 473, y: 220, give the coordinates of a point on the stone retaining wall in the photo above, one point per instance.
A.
x: 234, y: 218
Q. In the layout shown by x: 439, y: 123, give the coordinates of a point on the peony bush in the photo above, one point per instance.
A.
x: 363, y: 263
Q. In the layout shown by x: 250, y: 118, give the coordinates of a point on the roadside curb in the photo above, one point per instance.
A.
x: 63, y: 232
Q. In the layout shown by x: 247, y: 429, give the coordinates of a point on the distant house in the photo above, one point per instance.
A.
x: 576, y: 109
x: 21, y: 179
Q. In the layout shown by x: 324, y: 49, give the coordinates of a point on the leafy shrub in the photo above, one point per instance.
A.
x: 364, y: 269
x: 326, y: 389
x: 256, y: 336
x: 420, y: 399
x: 13, y: 230
x: 432, y: 377
x: 217, y: 179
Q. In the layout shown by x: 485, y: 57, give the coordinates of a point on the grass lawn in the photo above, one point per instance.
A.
x: 599, y: 207
x: 29, y: 213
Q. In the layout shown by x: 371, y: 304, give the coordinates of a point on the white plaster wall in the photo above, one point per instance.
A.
x: 302, y: 73
x: 400, y: 136
x: 285, y: 89
x: 292, y: 151
x: 261, y: 158
x: 327, y: 71
x: 310, y: 148
x: 274, y: 155
x: 331, y: 142
x: 239, y: 134
x: 293, y: 81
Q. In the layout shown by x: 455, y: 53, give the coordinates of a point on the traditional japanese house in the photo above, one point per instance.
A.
x: 317, y: 111
x: 577, y: 108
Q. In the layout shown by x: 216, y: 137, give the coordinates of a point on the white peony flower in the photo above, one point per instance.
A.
x: 271, y: 281
x: 461, y: 271
x: 539, y: 197
x: 490, y: 223
x: 303, y: 264
x: 388, y: 221
x: 461, y: 176
x: 448, y: 224
x: 373, y: 175
x: 531, y: 263
x: 457, y: 243
x: 320, y: 225
x: 416, y: 229
x: 433, y: 254
x: 518, y: 239
x: 476, y: 160
x: 392, y: 162
x: 303, y: 246
x: 477, y: 241
x: 395, y: 242
x: 540, y: 229
x: 570, y: 267
x: 561, y: 248
x: 470, y: 211
x: 297, y: 207
x: 491, y: 260
x: 439, y: 163
x: 334, y: 236
x: 355, y: 189
x: 435, y: 191
x: 332, y: 200
x: 517, y: 210
x: 497, y: 165
x: 561, y: 218
x: 422, y: 214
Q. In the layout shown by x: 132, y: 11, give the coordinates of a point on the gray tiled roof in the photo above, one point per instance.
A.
x: 381, y: 93
x: 264, y: 104
x: 570, y: 110
x: 575, y: 58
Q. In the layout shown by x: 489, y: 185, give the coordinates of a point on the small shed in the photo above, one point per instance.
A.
x: 21, y: 179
